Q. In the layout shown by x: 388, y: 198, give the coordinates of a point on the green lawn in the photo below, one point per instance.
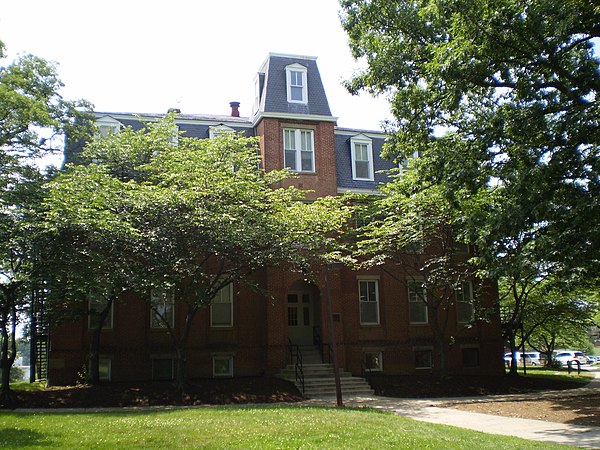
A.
x: 265, y: 427
x: 559, y: 374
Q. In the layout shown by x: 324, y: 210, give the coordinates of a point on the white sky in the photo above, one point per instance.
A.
x: 148, y: 55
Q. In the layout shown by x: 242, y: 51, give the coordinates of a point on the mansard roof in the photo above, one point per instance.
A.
x: 273, y: 89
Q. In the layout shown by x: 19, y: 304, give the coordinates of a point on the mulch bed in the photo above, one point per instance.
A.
x: 423, y: 386
x: 197, y: 392
x: 268, y: 390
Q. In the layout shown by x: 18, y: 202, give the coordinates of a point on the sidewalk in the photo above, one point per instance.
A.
x: 426, y: 410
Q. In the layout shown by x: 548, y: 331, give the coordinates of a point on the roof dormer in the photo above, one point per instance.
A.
x: 297, y: 83
x: 290, y: 87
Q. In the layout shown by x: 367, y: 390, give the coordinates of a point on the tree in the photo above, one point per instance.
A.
x: 199, y: 215
x: 560, y: 320
x: 410, y: 236
x: 32, y: 114
x: 500, y: 100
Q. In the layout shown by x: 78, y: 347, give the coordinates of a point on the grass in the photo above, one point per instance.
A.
x: 264, y: 427
x: 558, y: 374
x: 27, y: 386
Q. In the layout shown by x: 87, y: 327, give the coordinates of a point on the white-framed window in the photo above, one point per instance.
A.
x: 423, y: 358
x: 222, y: 365
x: 368, y: 294
x: 256, y: 103
x: 162, y: 308
x: 221, y: 308
x: 96, y: 305
x: 362, y: 158
x: 373, y: 362
x: 107, y: 125
x: 174, y: 137
x: 104, y: 369
x: 217, y: 130
x: 298, y: 148
x: 417, y: 306
x: 405, y: 162
x: 464, y: 302
x: 163, y: 368
x: 297, y: 85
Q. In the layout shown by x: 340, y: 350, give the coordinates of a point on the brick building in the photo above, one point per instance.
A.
x: 378, y: 326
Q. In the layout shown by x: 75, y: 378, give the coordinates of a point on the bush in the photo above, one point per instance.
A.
x: 16, y: 374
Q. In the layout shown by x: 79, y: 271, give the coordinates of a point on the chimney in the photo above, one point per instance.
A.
x: 235, y: 109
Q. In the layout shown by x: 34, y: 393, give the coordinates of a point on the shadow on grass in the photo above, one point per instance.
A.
x: 18, y: 438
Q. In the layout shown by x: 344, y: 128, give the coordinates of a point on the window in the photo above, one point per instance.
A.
x: 369, y: 302
x: 373, y: 362
x: 163, y: 369
x: 362, y: 159
x: 404, y: 163
x: 470, y: 356
x: 416, y: 302
x: 423, y: 359
x: 96, y: 305
x: 104, y: 369
x: 162, y: 308
x: 217, y: 130
x: 297, y: 89
x: 222, y: 366
x: 107, y: 126
x: 298, y: 147
x: 221, y: 309
x: 464, y: 303
x: 174, y: 137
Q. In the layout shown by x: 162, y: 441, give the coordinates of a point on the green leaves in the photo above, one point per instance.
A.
x: 190, y: 213
x: 501, y: 100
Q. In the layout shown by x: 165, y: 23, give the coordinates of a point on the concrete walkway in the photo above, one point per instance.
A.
x: 427, y: 410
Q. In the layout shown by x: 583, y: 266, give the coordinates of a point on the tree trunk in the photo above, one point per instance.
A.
x: 93, y: 373
x: 8, y: 351
x: 512, y: 342
x: 180, y: 349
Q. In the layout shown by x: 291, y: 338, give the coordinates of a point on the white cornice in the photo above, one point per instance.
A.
x: 209, y: 121
x: 288, y: 116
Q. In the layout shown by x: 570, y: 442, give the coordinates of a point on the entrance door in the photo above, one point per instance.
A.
x: 300, y: 318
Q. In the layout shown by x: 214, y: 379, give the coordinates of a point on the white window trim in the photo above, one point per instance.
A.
x: 409, y: 283
x: 298, y: 149
x: 171, y: 301
x: 360, y: 301
x: 363, y: 140
x: 230, y: 287
x: 288, y: 77
x: 216, y: 130
x: 108, y: 122
x: 108, y: 363
x: 461, y: 300
x: 222, y: 375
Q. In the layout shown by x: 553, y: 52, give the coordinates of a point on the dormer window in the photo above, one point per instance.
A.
x: 107, y: 125
x: 362, y: 158
x: 217, y: 130
x: 297, y: 89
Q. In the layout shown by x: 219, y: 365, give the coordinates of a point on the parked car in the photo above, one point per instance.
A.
x: 530, y: 358
x: 572, y: 356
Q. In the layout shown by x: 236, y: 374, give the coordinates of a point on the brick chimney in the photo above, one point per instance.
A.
x: 235, y: 109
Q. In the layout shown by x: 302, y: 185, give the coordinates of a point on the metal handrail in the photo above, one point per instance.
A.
x: 296, y: 360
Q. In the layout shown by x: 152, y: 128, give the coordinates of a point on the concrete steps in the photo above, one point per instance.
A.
x: 319, y: 381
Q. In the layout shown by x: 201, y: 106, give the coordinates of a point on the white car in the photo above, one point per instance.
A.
x: 570, y: 356
x: 530, y: 358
